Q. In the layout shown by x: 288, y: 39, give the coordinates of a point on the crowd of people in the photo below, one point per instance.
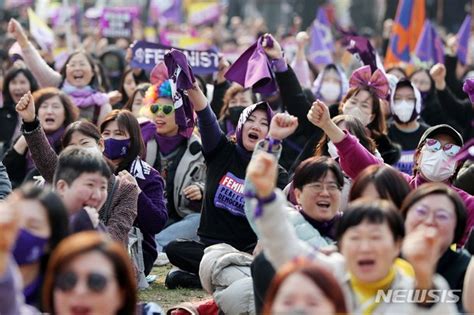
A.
x: 276, y: 185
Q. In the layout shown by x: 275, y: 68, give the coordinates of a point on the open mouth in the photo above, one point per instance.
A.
x: 253, y: 136
x: 80, y: 310
x: 366, y: 263
x: 78, y: 75
x: 49, y: 120
x: 323, y: 204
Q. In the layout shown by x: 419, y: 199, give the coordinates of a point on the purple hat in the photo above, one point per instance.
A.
x: 244, y: 116
x: 253, y: 69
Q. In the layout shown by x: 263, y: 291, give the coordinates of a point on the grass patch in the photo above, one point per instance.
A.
x: 158, y: 293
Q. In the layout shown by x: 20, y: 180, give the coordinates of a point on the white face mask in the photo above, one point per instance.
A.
x: 436, y: 166
x: 330, y: 91
x: 403, y: 110
x: 357, y: 113
x: 332, y: 150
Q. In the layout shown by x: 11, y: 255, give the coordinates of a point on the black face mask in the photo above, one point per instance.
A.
x: 234, y: 113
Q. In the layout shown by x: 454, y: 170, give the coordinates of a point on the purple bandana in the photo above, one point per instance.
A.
x: 169, y: 144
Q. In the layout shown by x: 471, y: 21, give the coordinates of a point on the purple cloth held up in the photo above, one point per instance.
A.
x: 175, y: 59
x: 181, y: 78
x: 253, y: 69
x: 468, y: 88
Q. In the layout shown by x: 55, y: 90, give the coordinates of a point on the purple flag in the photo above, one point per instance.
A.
x: 463, y: 39
x: 321, y: 39
x: 429, y: 48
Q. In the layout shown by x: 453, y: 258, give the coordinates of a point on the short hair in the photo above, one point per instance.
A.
x: 378, y: 125
x: 83, y: 243
x: 83, y: 127
x: 429, y: 189
x: 71, y: 112
x: 355, y: 128
x: 74, y: 161
x: 318, y: 274
x: 373, y: 211
x: 388, y: 182
x: 126, y: 121
x: 315, y: 168
x: 9, y: 76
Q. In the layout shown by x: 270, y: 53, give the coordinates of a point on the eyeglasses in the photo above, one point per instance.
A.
x: 434, y: 145
x: 441, y: 216
x: 167, y: 109
x: 318, y: 187
x: 67, y: 281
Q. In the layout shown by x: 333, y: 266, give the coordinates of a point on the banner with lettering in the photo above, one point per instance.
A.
x: 230, y: 194
x: 146, y: 55
x: 118, y: 21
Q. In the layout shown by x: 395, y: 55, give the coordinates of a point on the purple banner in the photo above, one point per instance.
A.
x: 118, y: 22
x: 230, y: 194
x: 146, y: 55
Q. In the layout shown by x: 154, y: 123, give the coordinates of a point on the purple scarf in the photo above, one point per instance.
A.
x: 169, y: 144
x: 54, y: 140
x: 85, y: 97
x: 325, y: 228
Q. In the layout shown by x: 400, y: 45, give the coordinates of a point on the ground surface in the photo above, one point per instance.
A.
x: 158, y: 293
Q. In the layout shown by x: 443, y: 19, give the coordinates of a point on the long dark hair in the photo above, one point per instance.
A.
x: 378, y: 125
x: 94, y: 83
x: 127, y: 122
x: 355, y: 128
x: 9, y: 76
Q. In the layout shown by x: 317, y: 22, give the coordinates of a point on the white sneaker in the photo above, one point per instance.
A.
x: 161, y: 260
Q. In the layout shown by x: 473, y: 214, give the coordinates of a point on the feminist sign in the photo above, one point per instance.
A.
x: 118, y: 22
x: 146, y: 55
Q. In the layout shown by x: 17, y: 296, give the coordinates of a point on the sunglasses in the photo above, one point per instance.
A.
x: 166, y: 109
x: 434, y: 145
x: 67, y: 281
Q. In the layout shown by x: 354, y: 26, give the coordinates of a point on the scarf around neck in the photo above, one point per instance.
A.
x: 86, y: 96
x: 169, y: 144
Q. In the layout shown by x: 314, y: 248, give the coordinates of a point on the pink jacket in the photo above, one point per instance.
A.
x: 354, y: 158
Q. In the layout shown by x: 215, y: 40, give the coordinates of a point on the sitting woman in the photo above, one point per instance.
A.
x: 317, y: 183
x: 433, y: 162
x: 55, y: 112
x: 223, y: 216
x: 43, y: 223
x: 370, y: 238
x: 78, y: 78
x: 123, y: 146
x: 175, y: 151
x: 119, y: 211
x: 303, y: 287
x: 437, y: 205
